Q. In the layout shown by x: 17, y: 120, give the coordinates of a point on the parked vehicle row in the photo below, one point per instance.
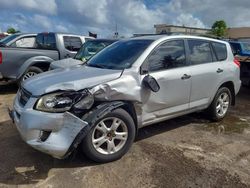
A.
x: 18, y: 64
x: 132, y: 83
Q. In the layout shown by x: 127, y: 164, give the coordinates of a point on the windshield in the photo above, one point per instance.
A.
x: 90, y: 48
x: 120, y: 55
x: 8, y: 39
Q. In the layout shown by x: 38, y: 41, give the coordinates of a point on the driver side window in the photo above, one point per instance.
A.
x: 168, y: 55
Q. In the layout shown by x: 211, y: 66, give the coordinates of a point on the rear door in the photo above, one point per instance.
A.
x: 207, y: 69
x: 167, y: 64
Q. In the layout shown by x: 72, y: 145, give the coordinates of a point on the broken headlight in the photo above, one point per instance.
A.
x: 85, y: 102
x: 63, y: 101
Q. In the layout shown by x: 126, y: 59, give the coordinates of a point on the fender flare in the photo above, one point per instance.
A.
x: 91, y: 117
x: 30, y: 62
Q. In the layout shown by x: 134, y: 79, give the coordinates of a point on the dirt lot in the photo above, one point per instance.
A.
x: 185, y: 152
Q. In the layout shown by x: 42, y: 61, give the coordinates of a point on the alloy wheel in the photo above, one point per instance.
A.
x: 29, y: 75
x: 109, y: 135
x: 222, y: 104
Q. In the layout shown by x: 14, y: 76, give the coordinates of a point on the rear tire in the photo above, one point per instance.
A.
x: 110, y: 138
x: 220, y: 105
x: 30, y: 72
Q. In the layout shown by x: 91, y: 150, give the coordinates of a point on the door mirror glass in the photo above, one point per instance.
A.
x: 151, y: 83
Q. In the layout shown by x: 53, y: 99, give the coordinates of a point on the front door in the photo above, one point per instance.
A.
x: 167, y: 64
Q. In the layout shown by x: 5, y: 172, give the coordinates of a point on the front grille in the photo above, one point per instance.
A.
x: 24, y: 96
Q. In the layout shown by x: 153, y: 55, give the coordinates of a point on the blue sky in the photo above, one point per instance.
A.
x: 131, y: 16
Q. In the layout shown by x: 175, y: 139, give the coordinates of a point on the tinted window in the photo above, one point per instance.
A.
x: 72, y: 43
x: 220, y: 51
x: 169, y: 55
x: 235, y: 47
x: 50, y: 41
x: 39, y: 41
x: 200, y: 51
x: 120, y: 55
x: 46, y: 41
x: 27, y: 42
x: 90, y: 48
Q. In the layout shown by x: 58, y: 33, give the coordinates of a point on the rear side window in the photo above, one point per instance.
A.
x: 220, y: 51
x: 200, y: 51
x: 46, y: 41
x: 168, y: 55
x: 72, y: 43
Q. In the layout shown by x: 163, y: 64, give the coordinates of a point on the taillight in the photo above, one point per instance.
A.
x: 237, y: 62
x: 1, y: 58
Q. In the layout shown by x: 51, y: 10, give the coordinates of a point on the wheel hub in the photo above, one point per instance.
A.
x: 109, y: 135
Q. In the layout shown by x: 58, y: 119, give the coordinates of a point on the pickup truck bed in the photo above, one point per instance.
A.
x: 15, y: 61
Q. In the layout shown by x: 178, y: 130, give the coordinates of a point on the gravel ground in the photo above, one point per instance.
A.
x: 189, y: 151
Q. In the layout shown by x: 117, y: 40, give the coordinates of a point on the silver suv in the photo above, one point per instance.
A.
x: 132, y: 83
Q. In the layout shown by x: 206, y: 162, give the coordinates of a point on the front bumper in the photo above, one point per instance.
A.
x: 64, y: 128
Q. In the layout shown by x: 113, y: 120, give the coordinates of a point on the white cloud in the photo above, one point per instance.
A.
x: 235, y: 13
x: 131, y: 16
x: 61, y: 28
x: 44, y: 6
x: 189, y: 20
x: 134, y: 16
x: 41, y: 21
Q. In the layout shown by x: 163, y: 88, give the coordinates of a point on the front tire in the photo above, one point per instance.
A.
x: 220, y: 105
x: 110, y: 138
x: 30, y: 72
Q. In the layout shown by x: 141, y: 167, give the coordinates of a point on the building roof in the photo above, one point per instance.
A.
x: 177, y: 26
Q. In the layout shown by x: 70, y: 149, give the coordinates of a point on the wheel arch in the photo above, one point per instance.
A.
x: 98, y: 112
x: 41, y: 62
x: 230, y: 86
x: 42, y: 65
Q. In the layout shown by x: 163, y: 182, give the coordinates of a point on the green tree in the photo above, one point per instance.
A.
x: 12, y: 30
x: 219, y: 28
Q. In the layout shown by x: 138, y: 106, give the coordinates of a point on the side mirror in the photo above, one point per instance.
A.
x: 151, y: 83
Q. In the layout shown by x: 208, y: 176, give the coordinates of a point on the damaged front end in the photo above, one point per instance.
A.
x: 57, y: 122
x: 51, y: 123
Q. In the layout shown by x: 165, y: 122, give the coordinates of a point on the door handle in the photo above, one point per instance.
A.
x: 185, y: 76
x: 219, y: 70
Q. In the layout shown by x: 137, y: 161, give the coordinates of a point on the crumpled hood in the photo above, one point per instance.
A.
x: 74, y: 78
x: 65, y: 63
